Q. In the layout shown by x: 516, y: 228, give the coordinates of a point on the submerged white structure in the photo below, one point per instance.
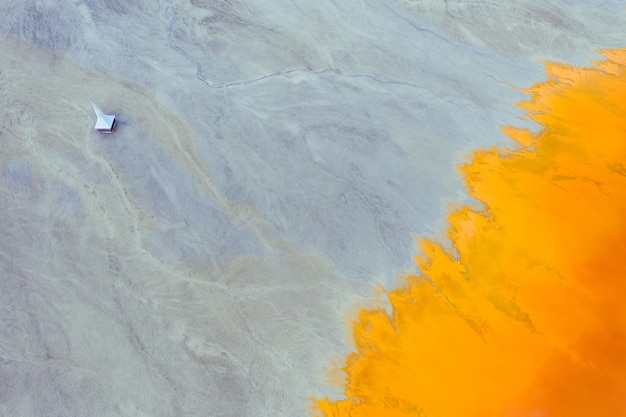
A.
x: 105, y: 123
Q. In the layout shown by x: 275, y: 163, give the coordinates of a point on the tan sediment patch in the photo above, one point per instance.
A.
x: 126, y: 315
x: 45, y: 115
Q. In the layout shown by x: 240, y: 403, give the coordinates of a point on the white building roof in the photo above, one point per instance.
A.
x: 105, y: 122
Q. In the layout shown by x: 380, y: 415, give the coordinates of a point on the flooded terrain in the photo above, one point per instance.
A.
x: 271, y: 168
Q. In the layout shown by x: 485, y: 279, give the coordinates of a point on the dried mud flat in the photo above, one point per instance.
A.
x: 268, y: 171
x: 93, y: 323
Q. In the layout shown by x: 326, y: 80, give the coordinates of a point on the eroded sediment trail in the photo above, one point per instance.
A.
x: 103, y: 312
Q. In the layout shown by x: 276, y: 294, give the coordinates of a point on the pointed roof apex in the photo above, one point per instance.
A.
x: 105, y: 123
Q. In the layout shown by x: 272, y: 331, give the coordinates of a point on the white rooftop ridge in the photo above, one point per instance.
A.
x: 105, y: 122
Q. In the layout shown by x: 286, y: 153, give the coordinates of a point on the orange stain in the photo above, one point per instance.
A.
x: 525, y: 316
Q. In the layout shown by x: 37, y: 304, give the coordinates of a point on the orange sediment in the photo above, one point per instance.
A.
x: 525, y: 315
